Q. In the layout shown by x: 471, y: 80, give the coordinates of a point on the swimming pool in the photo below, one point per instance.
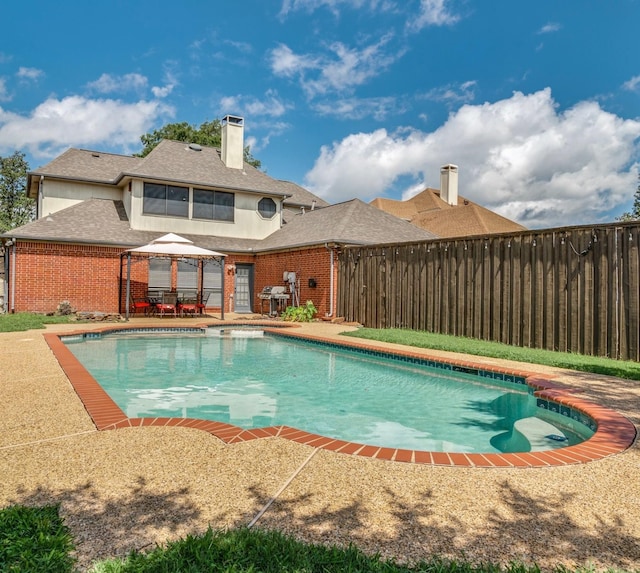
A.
x: 251, y: 380
x: 614, y: 432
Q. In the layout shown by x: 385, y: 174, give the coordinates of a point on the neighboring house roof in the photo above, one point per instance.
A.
x: 351, y: 222
x: 103, y: 221
x: 428, y: 211
x: 173, y: 161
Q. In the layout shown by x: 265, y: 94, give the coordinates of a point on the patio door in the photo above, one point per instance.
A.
x: 243, y: 294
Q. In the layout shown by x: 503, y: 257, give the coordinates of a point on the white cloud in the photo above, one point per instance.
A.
x: 77, y: 121
x: 170, y: 82
x: 271, y: 105
x: 518, y: 156
x: 632, y: 85
x: 4, y: 92
x: 243, y: 47
x: 333, y: 6
x: 549, y: 28
x: 358, y: 108
x: 452, y: 93
x: 338, y: 71
x: 108, y: 83
x: 285, y: 63
x: 162, y: 91
x: 270, y: 128
x: 29, y: 73
x: 433, y: 13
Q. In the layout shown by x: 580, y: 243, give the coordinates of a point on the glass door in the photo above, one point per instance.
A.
x: 243, y: 294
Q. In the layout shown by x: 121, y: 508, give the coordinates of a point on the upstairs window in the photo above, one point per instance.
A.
x: 267, y: 207
x: 214, y: 205
x: 160, y: 199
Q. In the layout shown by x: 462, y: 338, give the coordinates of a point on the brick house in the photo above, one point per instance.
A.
x: 93, y: 206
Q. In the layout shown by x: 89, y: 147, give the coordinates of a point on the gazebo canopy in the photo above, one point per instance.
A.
x: 175, y: 247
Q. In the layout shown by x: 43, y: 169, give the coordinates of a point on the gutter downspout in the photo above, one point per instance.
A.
x: 282, y: 212
x: 13, y: 276
x: 5, y: 276
x: 331, y: 265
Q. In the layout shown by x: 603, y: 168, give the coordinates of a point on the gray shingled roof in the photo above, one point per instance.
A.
x: 102, y: 221
x: 105, y: 222
x: 352, y: 222
x: 171, y: 161
x: 86, y: 165
x: 300, y: 197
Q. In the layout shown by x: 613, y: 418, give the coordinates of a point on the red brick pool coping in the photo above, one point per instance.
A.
x: 613, y: 435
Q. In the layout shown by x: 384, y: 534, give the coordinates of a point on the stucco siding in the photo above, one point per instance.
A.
x: 59, y: 195
x: 247, y: 223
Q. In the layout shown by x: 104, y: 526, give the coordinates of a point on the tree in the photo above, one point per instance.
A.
x: 16, y: 208
x: 634, y: 215
x: 209, y: 134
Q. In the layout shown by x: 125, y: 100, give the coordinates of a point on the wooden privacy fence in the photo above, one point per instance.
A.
x: 573, y: 289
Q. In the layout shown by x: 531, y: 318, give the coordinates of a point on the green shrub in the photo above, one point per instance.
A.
x: 300, y: 313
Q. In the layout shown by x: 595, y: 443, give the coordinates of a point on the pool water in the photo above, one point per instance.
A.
x: 253, y: 380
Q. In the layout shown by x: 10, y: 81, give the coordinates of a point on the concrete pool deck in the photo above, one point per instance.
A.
x: 137, y: 486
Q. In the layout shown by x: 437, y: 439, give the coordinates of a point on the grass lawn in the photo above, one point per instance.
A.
x: 421, y: 339
x: 35, y: 540
x: 29, y: 320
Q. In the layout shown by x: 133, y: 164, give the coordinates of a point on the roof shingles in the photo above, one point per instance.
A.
x: 103, y: 221
x: 428, y: 211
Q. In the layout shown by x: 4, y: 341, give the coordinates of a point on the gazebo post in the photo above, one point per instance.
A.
x: 222, y: 286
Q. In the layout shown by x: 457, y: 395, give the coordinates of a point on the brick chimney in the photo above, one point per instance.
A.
x: 449, y: 184
x: 233, y: 141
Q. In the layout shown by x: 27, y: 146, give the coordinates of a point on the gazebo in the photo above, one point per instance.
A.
x: 175, y: 247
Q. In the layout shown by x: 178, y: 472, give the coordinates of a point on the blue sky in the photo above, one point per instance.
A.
x: 538, y: 103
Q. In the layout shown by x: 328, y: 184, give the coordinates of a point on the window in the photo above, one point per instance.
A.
x: 160, y: 199
x: 187, y: 275
x: 216, y: 205
x: 267, y: 207
x: 212, y: 282
x: 159, y: 274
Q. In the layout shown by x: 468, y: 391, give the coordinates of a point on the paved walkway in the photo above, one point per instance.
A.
x: 134, y: 487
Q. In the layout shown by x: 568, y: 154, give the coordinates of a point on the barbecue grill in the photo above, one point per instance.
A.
x: 275, y: 295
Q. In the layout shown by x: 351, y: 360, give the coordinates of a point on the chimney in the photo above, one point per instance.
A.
x: 449, y: 184
x: 233, y: 141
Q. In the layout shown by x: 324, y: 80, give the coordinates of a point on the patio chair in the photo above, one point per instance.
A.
x: 188, y: 304
x: 168, y: 305
x: 136, y: 304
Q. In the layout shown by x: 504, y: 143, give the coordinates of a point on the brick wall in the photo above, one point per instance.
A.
x: 307, y: 264
x: 88, y: 276
x: 85, y: 275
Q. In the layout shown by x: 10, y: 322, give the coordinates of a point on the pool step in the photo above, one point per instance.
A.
x: 540, y: 434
